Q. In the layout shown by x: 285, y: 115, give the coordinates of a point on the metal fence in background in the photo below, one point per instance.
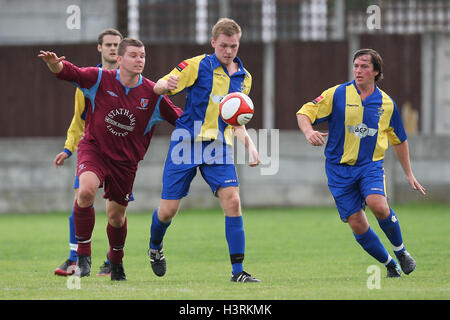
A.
x: 190, y: 21
x: 261, y: 20
x: 400, y: 16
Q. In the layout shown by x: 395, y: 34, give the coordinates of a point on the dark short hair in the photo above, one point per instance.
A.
x: 112, y: 32
x: 376, y: 60
x: 126, y: 42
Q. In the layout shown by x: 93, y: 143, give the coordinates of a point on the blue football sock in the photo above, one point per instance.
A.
x: 391, y: 228
x: 72, y: 240
x: 373, y: 246
x: 235, y: 235
x: 157, y: 231
x: 107, y: 257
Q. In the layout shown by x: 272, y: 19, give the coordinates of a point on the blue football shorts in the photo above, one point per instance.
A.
x: 76, y: 184
x: 213, y: 159
x: 350, y: 185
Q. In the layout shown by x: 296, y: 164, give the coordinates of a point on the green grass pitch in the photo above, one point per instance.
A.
x: 298, y: 253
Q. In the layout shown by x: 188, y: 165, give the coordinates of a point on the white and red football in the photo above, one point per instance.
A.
x: 236, y: 109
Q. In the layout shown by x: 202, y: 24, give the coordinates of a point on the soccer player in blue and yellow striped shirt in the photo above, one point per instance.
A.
x: 203, y: 140
x: 362, y: 120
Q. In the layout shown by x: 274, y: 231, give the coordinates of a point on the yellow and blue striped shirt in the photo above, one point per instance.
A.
x: 359, y: 131
x: 206, y: 82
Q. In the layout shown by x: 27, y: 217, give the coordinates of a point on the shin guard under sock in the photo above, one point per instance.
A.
x: 116, y: 237
x: 391, y: 227
x: 373, y: 246
x: 157, y: 231
x: 235, y: 235
x: 84, y: 219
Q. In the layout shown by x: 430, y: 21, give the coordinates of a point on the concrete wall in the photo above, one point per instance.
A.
x: 30, y: 183
x: 54, y: 21
x: 435, y: 113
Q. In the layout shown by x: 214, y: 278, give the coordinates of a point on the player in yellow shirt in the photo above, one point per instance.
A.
x: 362, y: 120
x: 107, y: 45
x: 206, y: 143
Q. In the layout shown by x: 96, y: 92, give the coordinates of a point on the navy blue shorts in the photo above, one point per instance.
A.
x: 350, y: 185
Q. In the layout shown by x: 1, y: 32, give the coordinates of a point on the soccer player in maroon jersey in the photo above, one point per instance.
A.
x: 107, y: 45
x: 124, y: 110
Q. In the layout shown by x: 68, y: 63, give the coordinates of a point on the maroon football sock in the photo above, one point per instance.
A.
x: 84, y: 219
x: 116, y: 238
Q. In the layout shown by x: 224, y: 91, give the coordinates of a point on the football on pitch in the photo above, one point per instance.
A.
x: 236, y: 109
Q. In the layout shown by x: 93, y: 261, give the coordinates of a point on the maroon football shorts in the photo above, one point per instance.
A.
x: 116, y: 178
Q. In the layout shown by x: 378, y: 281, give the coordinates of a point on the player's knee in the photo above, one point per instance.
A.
x: 235, y: 201
x: 167, y: 212
x: 380, y: 209
x: 166, y: 216
x: 358, y: 222
x: 86, y: 196
x: 358, y: 227
x: 232, y: 204
x: 117, y: 221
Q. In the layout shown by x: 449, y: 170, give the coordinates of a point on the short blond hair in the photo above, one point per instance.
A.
x: 226, y: 26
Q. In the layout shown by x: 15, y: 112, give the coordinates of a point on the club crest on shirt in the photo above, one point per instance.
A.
x: 143, y: 104
x: 243, y: 86
x: 380, y: 111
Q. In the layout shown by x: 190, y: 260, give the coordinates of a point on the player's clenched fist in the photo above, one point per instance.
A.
x: 164, y: 86
x: 172, y: 83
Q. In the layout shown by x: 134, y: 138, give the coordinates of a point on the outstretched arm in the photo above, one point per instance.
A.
x: 164, y: 86
x: 402, y: 153
x: 84, y: 78
x: 53, y: 62
x: 242, y: 135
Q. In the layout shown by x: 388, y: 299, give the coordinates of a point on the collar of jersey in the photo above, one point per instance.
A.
x: 127, y: 89
x: 216, y: 63
x: 373, y: 95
